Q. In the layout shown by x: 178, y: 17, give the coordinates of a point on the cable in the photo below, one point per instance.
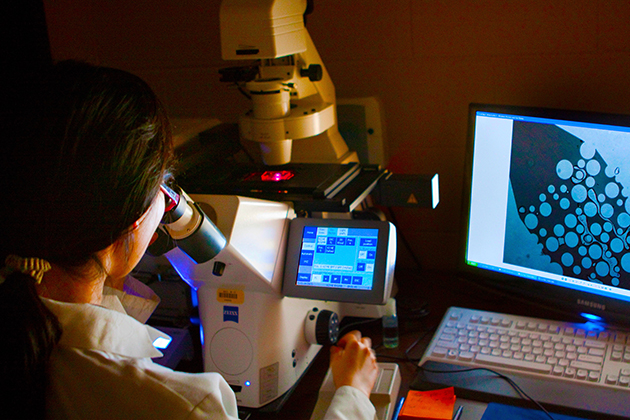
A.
x: 509, y: 380
x: 406, y: 358
x: 357, y: 323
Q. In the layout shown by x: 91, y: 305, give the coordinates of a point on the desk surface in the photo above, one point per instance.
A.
x: 438, y: 291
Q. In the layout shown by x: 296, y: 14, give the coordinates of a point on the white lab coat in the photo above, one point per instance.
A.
x: 102, y: 369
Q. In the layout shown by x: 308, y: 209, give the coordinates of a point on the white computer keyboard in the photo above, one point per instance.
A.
x: 532, y: 346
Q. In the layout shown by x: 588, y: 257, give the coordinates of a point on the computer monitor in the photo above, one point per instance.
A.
x: 547, y: 206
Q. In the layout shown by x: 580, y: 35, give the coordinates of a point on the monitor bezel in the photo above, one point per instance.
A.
x: 382, y: 276
x: 566, y: 301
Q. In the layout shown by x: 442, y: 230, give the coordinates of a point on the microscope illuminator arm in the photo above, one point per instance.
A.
x: 288, y: 59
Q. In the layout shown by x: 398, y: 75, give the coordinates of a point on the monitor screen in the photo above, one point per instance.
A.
x: 340, y: 260
x: 548, y: 209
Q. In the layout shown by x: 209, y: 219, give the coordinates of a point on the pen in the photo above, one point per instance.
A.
x: 458, y: 413
x: 398, y: 408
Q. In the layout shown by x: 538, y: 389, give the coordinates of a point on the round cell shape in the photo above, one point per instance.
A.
x: 593, y: 167
x: 570, y: 220
x: 612, y: 190
x: 586, y: 263
x: 616, y: 245
x: 602, y: 269
x: 565, y: 203
x: 545, y: 209
x: 542, y: 197
x: 567, y: 259
x: 564, y: 169
x: 596, y: 229
x: 590, y: 209
x: 578, y: 193
x: 595, y: 251
x: 558, y: 230
x: 551, y: 189
x: 587, y: 150
x: 625, y: 262
x: 607, y: 211
x: 552, y: 244
x: 623, y: 220
x: 531, y: 221
x: 571, y: 239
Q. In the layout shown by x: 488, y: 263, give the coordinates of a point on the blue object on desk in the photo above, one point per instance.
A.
x: 496, y: 411
x: 401, y: 401
x: 458, y: 413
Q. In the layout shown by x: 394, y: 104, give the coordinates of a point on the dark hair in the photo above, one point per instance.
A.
x: 84, y: 151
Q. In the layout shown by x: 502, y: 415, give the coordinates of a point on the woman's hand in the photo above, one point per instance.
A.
x: 353, y: 362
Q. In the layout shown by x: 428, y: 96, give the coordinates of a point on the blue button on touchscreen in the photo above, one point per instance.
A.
x: 337, y: 257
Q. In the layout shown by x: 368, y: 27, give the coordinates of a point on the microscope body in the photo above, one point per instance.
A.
x: 252, y: 335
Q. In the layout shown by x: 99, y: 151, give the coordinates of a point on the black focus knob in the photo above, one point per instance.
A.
x: 327, y: 327
x: 314, y: 72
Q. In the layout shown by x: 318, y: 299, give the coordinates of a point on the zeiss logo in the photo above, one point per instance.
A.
x: 230, y: 313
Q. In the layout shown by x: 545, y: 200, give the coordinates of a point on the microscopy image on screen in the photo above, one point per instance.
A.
x: 568, y: 209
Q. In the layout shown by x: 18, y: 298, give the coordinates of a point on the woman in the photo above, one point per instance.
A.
x: 85, y: 152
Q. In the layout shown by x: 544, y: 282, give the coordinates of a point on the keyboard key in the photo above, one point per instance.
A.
x: 590, y: 359
x: 515, y: 364
x: 583, y: 365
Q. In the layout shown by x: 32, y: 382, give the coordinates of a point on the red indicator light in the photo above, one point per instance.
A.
x: 276, y: 176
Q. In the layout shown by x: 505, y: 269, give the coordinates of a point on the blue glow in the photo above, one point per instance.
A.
x: 194, y: 298
x: 162, y: 342
x: 591, y: 317
x: 247, y: 383
x: 201, y: 334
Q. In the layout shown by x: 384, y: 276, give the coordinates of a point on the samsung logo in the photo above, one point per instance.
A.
x: 591, y: 304
x: 230, y: 313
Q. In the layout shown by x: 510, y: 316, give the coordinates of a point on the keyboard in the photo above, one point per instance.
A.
x: 535, y: 347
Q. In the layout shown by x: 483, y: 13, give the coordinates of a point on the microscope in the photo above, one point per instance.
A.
x: 292, y: 94
x: 272, y: 287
